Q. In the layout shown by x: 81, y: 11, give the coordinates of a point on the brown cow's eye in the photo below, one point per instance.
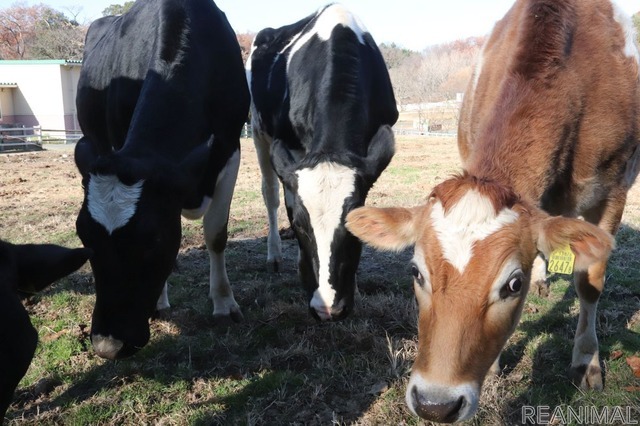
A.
x: 512, y: 287
x: 515, y: 284
x: 417, y: 275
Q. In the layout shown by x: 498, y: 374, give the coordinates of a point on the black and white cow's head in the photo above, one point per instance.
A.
x: 130, y: 218
x: 324, y: 188
x: 26, y: 269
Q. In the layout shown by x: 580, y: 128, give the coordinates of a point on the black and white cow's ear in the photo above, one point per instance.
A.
x: 195, y: 163
x: 85, y: 155
x: 380, y: 152
x: 282, y: 159
x: 39, y: 265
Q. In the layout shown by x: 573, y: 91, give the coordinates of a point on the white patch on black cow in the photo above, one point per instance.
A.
x: 247, y: 66
x: 197, y: 213
x: 323, y: 191
x: 111, y: 203
x: 330, y: 18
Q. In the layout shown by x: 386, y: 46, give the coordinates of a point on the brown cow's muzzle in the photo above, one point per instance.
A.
x: 440, y: 403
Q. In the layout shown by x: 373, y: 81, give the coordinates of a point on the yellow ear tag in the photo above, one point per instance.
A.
x: 561, y: 261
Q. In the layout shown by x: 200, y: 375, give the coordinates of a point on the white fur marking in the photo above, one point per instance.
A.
x: 163, y: 300
x: 330, y: 18
x: 630, y: 47
x: 472, y: 219
x: 478, y: 70
x: 193, y: 214
x: 110, y: 202
x: 323, y: 190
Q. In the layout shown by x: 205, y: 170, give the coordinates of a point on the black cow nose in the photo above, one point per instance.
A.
x: 441, y: 412
x: 340, y: 310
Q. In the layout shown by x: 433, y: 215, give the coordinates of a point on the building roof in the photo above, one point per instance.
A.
x: 71, y: 62
x: 10, y: 85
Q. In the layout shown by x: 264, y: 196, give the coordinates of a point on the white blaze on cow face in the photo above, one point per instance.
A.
x: 473, y: 218
x: 323, y: 191
x: 110, y: 202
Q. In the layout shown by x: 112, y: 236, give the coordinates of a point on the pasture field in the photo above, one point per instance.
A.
x: 280, y: 366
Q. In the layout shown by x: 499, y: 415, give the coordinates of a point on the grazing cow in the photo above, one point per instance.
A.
x: 26, y: 268
x: 162, y: 99
x: 550, y: 126
x: 322, y: 107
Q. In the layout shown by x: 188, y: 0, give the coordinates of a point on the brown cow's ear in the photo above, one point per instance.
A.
x: 390, y: 229
x: 588, y: 243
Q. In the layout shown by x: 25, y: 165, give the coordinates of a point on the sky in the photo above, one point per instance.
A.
x: 413, y: 24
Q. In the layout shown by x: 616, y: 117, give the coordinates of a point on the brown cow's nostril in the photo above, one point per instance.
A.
x: 441, y: 412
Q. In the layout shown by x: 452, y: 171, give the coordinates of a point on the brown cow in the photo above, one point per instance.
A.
x: 550, y: 126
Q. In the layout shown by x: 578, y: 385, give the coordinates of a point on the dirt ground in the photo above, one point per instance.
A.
x: 40, y: 195
x: 279, y: 366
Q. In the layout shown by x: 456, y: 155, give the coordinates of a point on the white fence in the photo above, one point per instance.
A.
x: 20, y: 138
x: 429, y: 131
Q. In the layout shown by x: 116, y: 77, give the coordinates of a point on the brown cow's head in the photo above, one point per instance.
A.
x: 475, y: 243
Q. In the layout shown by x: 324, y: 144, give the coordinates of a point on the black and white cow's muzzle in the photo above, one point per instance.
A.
x: 327, y: 262
x: 331, y: 290
x: 109, y: 347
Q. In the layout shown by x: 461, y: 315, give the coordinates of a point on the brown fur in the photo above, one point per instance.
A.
x: 450, y: 191
x: 553, y: 124
x: 535, y: 131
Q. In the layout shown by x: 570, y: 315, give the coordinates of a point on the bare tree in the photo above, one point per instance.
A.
x: 39, y: 32
x: 394, y: 56
x: 245, y: 40
x: 437, y: 74
x: 17, y: 27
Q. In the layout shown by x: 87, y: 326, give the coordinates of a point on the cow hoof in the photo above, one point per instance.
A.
x: 273, y: 266
x: 233, y: 317
x: 587, y: 377
x: 162, y: 314
x: 287, y: 233
x: 495, y: 370
x: 539, y: 288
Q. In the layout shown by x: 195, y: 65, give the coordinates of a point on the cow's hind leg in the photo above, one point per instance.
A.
x: 585, y: 363
x: 215, y: 234
x: 539, y: 283
x: 271, y: 196
x: 163, y: 300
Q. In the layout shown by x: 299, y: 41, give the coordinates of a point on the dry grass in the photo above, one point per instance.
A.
x: 279, y: 366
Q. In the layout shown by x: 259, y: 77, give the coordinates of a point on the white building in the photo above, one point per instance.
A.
x: 39, y: 93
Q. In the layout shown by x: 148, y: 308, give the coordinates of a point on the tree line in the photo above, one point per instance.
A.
x: 435, y: 74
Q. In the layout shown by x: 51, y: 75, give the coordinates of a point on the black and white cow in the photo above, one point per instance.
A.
x: 25, y: 268
x: 162, y: 99
x: 322, y: 107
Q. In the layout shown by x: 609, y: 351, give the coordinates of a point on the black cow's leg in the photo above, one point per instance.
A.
x: 18, y: 344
